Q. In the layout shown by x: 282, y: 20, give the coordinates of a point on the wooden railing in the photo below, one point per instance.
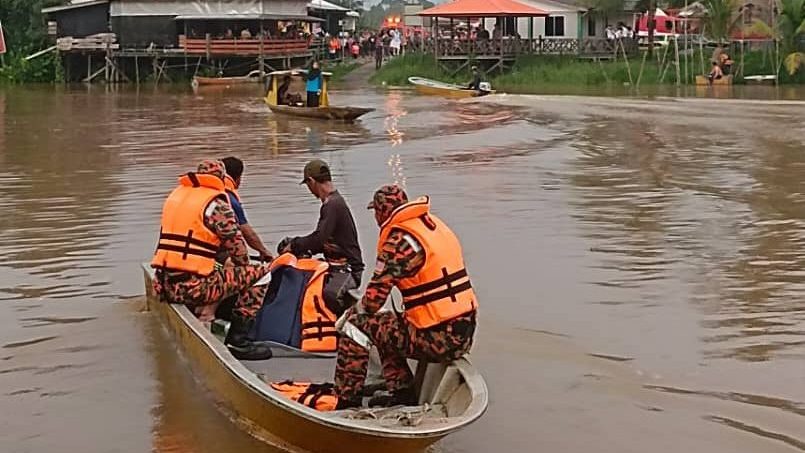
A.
x: 243, y: 47
x: 447, y: 47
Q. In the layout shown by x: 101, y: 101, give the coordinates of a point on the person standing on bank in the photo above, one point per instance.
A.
x: 422, y: 257
x: 313, y: 85
x: 234, y: 177
x: 336, y: 235
x: 198, y: 234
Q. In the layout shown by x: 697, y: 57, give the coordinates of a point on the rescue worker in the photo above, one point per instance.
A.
x: 232, y: 182
x: 198, y: 234
x: 336, y: 235
x: 421, y: 256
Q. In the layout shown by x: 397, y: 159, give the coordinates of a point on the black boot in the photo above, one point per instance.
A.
x: 237, y: 339
x: 348, y: 403
x: 402, y: 397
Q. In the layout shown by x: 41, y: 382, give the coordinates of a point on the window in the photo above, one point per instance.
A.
x: 591, y: 26
x: 555, y: 26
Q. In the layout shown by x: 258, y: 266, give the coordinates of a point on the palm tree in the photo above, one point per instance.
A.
x: 720, y: 19
x: 791, y: 30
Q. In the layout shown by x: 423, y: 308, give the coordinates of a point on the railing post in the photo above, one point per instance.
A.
x: 208, y: 46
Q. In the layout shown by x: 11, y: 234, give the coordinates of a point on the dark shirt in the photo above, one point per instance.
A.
x: 336, y: 235
x: 237, y: 208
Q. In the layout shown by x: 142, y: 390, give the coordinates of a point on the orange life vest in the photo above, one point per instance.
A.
x: 185, y: 243
x: 318, y: 396
x: 441, y: 290
x: 318, y: 322
x: 229, y: 184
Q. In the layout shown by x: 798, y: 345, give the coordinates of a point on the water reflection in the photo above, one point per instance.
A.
x: 394, y: 113
x: 56, y: 176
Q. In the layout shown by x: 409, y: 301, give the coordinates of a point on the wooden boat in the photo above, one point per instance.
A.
x: 428, y: 86
x: 252, y: 77
x: 724, y: 81
x: 761, y: 79
x: 324, y: 111
x: 452, y: 396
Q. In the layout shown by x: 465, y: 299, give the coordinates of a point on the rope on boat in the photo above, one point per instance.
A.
x: 395, y: 415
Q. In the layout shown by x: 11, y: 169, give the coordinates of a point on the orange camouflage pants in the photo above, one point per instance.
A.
x: 397, y: 341
x: 197, y: 292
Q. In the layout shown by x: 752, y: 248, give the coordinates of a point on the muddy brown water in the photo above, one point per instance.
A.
x: 639, y: 261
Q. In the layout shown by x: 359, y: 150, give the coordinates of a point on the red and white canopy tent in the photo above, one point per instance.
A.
x: 482, y: 9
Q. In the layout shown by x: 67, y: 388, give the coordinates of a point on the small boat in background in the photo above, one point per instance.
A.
x: 428, y: 86
x: 704, y: 80
x: 324, y: 111
x: 252, y: 77
x: 761, y: 79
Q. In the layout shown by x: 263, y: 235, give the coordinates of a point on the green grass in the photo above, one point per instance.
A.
x: 531, y: 74
x: 340, y: 70
x: 397, y: 71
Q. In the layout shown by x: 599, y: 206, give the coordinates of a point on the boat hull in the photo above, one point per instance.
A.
x: 724, y: 81
x: 324, y: 113
x: 433, y: 87
x: 248, y: 402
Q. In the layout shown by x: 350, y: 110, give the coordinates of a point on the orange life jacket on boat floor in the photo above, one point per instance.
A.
x: 318, y: 322
x: 185, y: 243
x: 317, y: 396
x: 441, y: 290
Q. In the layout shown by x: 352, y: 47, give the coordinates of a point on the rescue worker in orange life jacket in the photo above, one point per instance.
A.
x: 198, y: 234
x: 421, y: 256
x: 232, y: 181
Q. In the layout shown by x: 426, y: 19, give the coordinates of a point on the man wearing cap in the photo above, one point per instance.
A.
x: 422, y: 257
x: 336, y: 235
x: 198, y: 234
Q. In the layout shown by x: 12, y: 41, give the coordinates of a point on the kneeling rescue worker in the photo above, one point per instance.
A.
x: 198, y: 234
x: 421, y: 256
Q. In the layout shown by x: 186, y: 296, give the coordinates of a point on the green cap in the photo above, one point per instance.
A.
x: 316, y: 169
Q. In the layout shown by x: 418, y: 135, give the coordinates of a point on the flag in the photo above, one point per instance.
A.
x: 2, y: 40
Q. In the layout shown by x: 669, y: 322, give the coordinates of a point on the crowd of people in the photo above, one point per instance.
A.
x: 202, y: 260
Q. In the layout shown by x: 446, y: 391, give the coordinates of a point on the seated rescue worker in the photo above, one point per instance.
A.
x: 232, y: 182
x: 335, y: 236
x: 283, y: 97
x: 198, y: 235
x: 421, y: 256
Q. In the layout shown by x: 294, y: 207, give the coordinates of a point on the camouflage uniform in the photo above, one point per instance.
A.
x: 395, y: 338
x: 225, y: 281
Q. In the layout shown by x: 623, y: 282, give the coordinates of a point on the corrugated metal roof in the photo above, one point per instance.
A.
x: 74, y: 5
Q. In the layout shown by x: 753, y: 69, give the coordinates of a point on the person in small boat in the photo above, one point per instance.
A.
x: 198, y: 236
x: 336, y: 235
x: 232, y: 182
x: 314, y: 81
x: 475, y: 83
x: 283, y: 98
x: 421, y: 256
x: 715, y: 73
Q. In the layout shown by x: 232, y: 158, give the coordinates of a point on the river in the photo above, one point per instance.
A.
x: 639, y: 261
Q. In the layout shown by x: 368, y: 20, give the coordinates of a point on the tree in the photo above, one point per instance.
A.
x: 791, y: 31
x: 23, y: 24
x: 720, y: 19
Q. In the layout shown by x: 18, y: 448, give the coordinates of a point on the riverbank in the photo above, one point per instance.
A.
x: 531, y: 74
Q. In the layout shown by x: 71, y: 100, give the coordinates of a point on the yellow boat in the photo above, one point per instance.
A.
x: 704, y: 80
x: 323, y: 111
x: 451, y: 395
x: 434, y: 87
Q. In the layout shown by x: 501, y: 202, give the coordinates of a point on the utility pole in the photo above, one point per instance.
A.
x: 651, y: 27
